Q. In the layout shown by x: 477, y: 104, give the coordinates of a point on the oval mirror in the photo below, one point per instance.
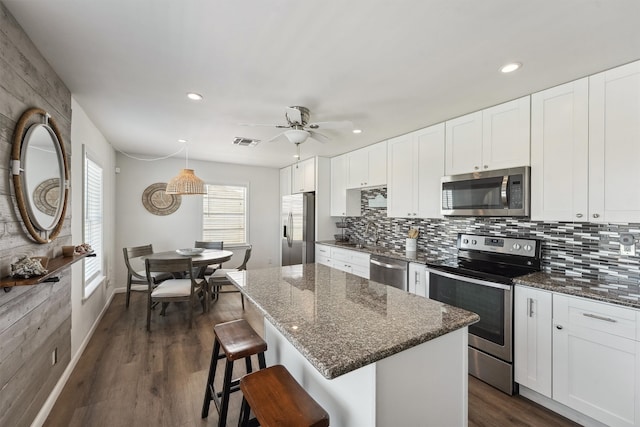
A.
x: 40, y: 175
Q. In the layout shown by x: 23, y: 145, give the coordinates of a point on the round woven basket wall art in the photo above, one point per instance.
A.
x: 46, y: 196
x: 156, y: 201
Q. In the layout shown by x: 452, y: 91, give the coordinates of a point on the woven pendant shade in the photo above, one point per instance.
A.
x: 186, y: 182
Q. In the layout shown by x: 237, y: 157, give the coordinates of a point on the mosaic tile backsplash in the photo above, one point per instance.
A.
x: 585, y: 251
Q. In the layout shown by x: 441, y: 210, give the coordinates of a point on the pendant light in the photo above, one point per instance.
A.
x: 186, y: 182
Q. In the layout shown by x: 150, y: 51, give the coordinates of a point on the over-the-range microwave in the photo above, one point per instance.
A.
x: 503, y: 192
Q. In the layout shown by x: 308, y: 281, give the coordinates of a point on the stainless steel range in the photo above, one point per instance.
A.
x: 481, y: 280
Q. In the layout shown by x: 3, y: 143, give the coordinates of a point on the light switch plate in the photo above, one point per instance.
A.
x: 627, y: 244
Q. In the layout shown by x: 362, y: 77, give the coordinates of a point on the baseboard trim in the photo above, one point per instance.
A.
x: 55, y: 393
x: 559, y: 408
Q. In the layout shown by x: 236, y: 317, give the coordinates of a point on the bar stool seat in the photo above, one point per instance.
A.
x: 277, y: 399
x: 237, y: 340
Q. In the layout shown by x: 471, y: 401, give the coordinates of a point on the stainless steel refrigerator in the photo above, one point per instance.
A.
x: 298, y: 229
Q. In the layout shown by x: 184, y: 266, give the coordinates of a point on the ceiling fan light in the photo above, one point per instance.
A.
x: 297, y: 136
x: 185, y: 183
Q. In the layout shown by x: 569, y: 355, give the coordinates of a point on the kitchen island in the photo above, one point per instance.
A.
x: 370, y: 354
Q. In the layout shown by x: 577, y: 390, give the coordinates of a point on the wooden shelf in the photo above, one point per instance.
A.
x: 55, y: 266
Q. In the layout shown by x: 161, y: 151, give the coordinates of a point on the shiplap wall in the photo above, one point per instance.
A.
x: 34, y: 320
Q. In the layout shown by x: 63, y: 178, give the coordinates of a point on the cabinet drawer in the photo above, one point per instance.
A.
x: 596, y: 316
x: 360, y: 259
x: 323, y: 250
x: 341, y: 255
x: 324, y: 260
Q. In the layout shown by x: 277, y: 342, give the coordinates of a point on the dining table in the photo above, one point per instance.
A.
x: 200, y: 261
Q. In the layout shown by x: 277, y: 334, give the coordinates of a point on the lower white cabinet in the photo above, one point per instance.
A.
x: 596, y: 360
x: 532, y: 339
x: 353, y: 262
x: 418, y: 278
x: 323, y: 255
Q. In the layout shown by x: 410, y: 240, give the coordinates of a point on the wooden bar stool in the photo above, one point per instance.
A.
x: 238, y: 341
x: 277, y: 399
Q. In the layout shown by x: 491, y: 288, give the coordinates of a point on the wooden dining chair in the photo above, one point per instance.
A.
x: 219, y: 278
x: 187, y: 289
x: 209, y: 245
x: 137, y: 279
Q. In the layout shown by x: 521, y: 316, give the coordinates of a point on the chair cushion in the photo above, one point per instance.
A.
x: 158, y: 276
x: 173, y: 288
x: 222, y: 273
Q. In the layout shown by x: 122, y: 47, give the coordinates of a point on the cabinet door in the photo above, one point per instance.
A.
x: 505, y: 135
x: 285, y: 181
x: 304, y: 176
x: 532, y: 339
x: 430, y: 169
x: 343, y: 202
x: 463, y: 148
x: 595, y: 364
x: 560, y: 153
x: 358, y: 168
x: 417, y: 279
x: 377, y: 169
x: 402, y: 187
x: 614, y: 145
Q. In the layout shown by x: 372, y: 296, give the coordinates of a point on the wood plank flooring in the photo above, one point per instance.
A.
x: 128, y: 377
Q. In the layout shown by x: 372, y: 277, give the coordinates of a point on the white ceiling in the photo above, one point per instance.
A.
x: 388, y: 66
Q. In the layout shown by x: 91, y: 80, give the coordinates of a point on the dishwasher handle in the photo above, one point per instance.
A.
x: 387, y: 265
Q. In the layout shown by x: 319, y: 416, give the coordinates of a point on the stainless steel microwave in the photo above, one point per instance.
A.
x: 503, y: 192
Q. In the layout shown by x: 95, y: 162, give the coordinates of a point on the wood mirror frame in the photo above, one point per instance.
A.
x: 24, y: 201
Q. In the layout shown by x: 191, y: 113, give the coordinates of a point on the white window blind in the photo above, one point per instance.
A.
x: 93, y: 219
x: 224, y: 214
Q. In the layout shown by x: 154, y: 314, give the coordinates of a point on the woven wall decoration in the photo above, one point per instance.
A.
x: 158, y: 202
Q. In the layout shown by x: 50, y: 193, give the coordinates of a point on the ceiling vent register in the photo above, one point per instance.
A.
x: 246, y: 142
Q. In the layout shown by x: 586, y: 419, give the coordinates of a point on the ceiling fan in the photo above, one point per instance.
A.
x: 299, y: 128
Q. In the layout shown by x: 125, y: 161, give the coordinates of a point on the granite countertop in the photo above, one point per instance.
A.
x: 341, y: 322
x: 417, y: 256
x: 601, y: 291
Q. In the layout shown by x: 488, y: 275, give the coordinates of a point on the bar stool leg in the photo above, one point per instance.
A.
x: 208, y: 393
x: 245, y: 412
x: 226, y: 391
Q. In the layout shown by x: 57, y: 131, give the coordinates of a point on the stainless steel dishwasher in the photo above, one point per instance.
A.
x: 389, y: 271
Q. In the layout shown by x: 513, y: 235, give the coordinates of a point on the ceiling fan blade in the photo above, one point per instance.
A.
x: 344, y: 124
x: 293, y: 115
x: 276, y: 136
x: 319, y: 137
x: 263, y: 124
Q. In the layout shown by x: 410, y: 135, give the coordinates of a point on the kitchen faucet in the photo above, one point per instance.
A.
x: 369, y: 225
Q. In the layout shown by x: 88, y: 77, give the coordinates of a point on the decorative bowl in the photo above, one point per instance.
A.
x: 190, y: 251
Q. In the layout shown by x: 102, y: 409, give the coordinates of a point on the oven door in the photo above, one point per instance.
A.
x: 493, y: 302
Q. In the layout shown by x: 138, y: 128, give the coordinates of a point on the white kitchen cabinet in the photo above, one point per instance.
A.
x: 533, y: 338
x: 323, y: 255
x: 367, y: 167
x: 494, y: 138
x: 343, y: 202
x: 415, y: 166
x: 560, y: 153
x: 418, y: 279
x: 285, y: 181
x: 304, y: 176
x: 596, y: 360
x: 614, y: 145
x: 350, y: 261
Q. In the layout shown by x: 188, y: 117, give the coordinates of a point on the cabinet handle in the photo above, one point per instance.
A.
x: 558, y: 326
x: 579, y: 215
x: 595, y: 316
x: 486, y: 167
x: 476, y: 167
x: 596, y: 215
x: 416, y: 278
x: 530, y: 301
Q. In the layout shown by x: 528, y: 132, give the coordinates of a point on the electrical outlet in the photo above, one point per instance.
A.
x: 627, y: 244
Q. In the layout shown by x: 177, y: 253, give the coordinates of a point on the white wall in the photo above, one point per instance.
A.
x: 84, y: 311
x: 136, y: 226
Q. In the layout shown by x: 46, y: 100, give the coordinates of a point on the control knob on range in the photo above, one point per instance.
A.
x: 516, y: 246
x: 528, y: 248
x: 465, y: 241
x: 473, y: 242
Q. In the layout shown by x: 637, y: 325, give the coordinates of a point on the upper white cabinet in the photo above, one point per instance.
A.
x: 304, y: 176
x: 367, y: 167
x: 415, y: 166
x: 495, y: 138
x: 532, y: 339
x: 343, y: 202
x: 285, y: 181
x: 560, y: 153
x: 596, y: 360
x: 614, y: 145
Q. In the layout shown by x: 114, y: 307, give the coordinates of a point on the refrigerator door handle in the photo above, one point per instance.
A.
x: 290, y: 230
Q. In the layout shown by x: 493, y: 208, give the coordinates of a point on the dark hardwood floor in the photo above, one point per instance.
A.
x: 128, y: 377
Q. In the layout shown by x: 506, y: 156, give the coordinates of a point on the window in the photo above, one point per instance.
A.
x: 224, y: 214
x: 93, y: 189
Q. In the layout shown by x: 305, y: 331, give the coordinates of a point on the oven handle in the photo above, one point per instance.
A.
x: 470, y: 279
x: 503, y: 191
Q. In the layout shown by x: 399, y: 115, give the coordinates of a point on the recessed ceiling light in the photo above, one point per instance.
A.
x: 182, y: 140
x: 194, y: 96
x: 357, y: 131
x: 508, y: 68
